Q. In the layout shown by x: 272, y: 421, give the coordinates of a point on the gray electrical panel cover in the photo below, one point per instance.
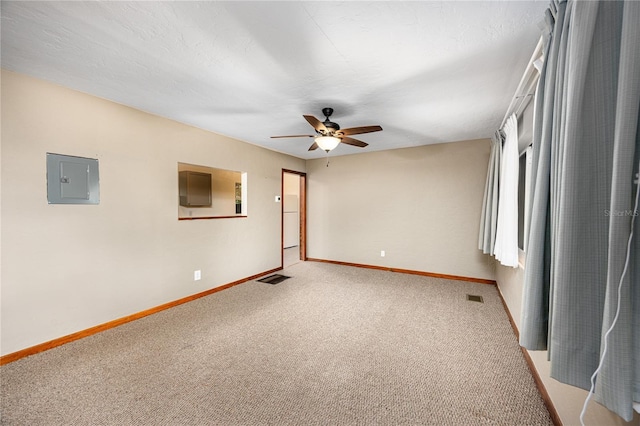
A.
x: 72, y: 180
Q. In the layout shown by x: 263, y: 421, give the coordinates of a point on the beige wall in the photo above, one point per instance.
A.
x: 421, y: 205
x: 66, y: 268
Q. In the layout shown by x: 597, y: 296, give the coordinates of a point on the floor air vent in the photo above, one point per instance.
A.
x: 274, y: 279
x: 474, y: 298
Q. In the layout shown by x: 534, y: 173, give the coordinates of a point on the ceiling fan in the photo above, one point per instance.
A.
x: 329, y: 135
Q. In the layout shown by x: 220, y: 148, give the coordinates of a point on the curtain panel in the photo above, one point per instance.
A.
x: 489, y: 214
x: 506, y: 246
x: 586, y: 153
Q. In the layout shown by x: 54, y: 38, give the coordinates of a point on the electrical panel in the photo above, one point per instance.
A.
x: 72, y: 180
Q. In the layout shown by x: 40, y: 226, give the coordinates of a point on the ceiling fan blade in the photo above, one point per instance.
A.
x: 293, y: 136
x: 313, y: 147
x: 317, y: 124
x: 352, y: 141
x: 359, y: 130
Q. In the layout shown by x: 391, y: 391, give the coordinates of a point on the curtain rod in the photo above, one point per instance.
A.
x: 526, y: 87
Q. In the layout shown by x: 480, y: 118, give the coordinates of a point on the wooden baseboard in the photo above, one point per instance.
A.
x: 14, y: 356
x: 555, y: 417
x: 408, y: 271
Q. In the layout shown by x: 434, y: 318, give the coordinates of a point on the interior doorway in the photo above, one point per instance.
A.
x: 294, y: 217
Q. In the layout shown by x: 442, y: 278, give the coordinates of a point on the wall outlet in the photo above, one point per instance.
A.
x: 382, y: 253
x: 197, y: 275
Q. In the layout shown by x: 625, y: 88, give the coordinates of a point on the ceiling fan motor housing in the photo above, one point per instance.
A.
x: 330, y: 125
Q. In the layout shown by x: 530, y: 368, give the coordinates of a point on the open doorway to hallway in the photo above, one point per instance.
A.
x: 293, y: 217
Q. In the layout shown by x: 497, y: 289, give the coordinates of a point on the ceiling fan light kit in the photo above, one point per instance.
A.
x: 327, y: 142
x: 329, y: 135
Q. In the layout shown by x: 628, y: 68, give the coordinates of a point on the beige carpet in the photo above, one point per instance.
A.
x: 333, y: 345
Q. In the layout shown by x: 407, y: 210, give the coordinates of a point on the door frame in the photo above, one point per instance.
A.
x: 302, y: 212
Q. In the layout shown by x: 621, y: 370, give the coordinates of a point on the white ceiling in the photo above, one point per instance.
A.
x: 427, y: 72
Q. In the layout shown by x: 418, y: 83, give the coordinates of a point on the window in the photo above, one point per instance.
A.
x: 524, y: 185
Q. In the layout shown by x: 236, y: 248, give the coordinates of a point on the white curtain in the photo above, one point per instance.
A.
x: 506, y: 247
x: 489, y: 219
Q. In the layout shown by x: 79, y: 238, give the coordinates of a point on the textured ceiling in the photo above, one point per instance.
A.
x: 427, y: 72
